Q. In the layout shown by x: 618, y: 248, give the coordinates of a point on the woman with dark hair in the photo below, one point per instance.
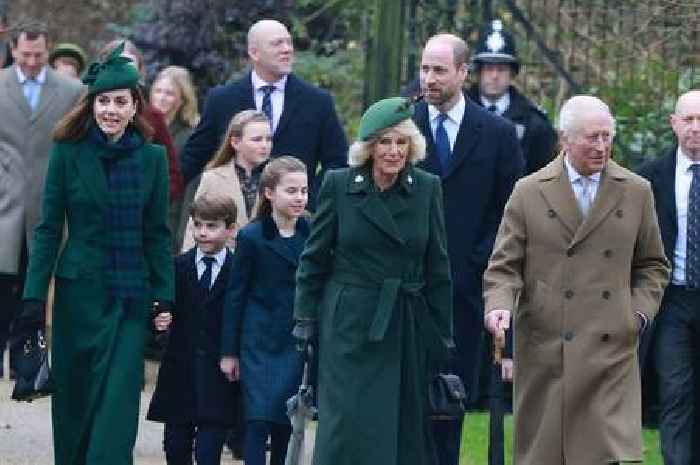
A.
x: 156, y: 120
x: 110, y: 187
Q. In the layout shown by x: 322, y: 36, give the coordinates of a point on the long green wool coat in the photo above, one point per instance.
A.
x: 375, y: 273
x: 97, y: 352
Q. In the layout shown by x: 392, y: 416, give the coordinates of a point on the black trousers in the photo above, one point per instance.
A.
x: 10, y: 288
x: 181, y: 440
x: 677, y: 362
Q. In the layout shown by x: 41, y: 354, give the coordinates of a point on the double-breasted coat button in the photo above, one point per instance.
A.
x: 619, y: 213
x: 608, y: 253
x: 569, y: 335
x: 551, y: 213
x: 569, y: 293
x: 606, y: 295
x: 605, y: 337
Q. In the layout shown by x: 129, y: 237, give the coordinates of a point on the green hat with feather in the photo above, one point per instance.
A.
x: 115, y: 72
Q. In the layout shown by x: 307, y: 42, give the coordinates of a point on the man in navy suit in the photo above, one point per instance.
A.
x: 478, y: 157
x: 675, y: 181
x: 303, y: 117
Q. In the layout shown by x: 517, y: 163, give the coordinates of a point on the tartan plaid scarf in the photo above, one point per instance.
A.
x: 124, y: 215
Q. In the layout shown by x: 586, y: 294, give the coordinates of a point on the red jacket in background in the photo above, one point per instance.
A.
x: 161, y: 136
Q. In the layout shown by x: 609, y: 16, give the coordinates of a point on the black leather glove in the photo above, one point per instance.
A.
x: 158, y: 307
x: 30, y: 320
x: 304, y: 332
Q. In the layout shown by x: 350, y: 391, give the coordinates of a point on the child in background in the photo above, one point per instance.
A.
x: 192, y: 397
x: 257, y: 343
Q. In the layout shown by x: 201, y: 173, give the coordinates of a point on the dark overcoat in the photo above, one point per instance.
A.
x: 535, y: 133
x: 484, y: 165
x: 375, y: 274
x: 97, y: 356
x: 191, y: 388
x: 308, y: 129
x: 258, y: 318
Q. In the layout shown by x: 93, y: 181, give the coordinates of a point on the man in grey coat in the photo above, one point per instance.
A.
x: 33, y: 98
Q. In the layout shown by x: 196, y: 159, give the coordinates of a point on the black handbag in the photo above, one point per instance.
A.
x: 32, y: 369
x: 446, y: 397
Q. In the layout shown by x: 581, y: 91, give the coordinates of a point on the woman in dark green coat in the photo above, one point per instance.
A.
x: 374, y: 276
x: 110, y: 187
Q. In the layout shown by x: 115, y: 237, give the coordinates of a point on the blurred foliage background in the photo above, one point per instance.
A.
x: 637, y: 56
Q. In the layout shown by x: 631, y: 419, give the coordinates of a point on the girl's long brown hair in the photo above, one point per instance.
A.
x: 270, y: 178
x: 226, y: 152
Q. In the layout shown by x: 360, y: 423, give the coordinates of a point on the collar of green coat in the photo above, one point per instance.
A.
x: 360, y: 180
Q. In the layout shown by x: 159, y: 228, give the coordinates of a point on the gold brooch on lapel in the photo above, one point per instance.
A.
x: 409, y: 179
x: 359, y: 178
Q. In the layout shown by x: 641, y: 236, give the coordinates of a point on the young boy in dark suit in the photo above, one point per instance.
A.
x: 192, y: 396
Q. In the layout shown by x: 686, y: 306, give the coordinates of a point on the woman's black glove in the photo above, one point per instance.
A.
x: 304, y: 332
x: 32, y: 319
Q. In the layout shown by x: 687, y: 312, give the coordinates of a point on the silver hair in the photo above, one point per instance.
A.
x: 361, y: 151
x: 577, y: 106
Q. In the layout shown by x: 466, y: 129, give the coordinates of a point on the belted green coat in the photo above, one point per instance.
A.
x: 375, y: 274
x: 97, y: 352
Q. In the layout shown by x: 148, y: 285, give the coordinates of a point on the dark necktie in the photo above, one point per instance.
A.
x: 492, y: 108
x: 267, y: 101
x: 205, y: 280
x: 692, y: 249
x: 442, y: 141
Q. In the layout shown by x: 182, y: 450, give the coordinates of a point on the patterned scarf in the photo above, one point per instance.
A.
x: 124, y: 216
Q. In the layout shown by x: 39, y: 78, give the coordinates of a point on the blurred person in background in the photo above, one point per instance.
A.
x: 68, y: 59
x: 174, y: 95
x: 33, y: 98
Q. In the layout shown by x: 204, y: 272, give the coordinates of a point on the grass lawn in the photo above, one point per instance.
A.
x: 475, y: 441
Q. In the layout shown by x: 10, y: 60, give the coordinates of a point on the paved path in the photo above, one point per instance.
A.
x: 25, y: 430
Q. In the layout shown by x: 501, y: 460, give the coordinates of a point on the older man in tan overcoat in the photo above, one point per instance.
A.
x: 579, y: 264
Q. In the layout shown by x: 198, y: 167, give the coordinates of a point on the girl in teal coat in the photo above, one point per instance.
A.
x: 375, y: 277
x: 110, y: 187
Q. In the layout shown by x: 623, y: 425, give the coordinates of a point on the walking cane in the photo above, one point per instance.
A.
x: 496, y: 439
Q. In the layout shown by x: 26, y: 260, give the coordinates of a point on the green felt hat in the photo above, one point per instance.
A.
x: 115, y: 72
x: 384, y: 114
x: 69, y: 50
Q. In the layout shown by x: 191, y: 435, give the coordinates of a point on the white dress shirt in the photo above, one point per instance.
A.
x: 577, y: 184
x: 31, y: 87
x: 276, y: 97
x: 502, y: 103
x: 219, y: 259
x: 683, y: 178
x: 452, y: 122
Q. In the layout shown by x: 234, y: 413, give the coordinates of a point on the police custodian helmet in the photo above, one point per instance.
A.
x: 495, y: 46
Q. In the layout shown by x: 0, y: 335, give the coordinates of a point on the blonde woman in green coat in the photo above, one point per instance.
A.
x: 374, y: 277
x: 111, y: 188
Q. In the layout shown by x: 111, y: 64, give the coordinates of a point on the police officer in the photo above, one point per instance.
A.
x: 495, y: 63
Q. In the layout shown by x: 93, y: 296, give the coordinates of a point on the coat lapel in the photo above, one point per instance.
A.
x: 14, y: 90
x: 610, y: 193
x: 276, y: 243
x: 667, y: 191
x: 557, y: 193
x: 373, y: 208
x: 47, y: 94
x: 467, y: 137
x: 292, y: 99
x: 422, y: 119
x: 221, y: 282
x: 92, y: 174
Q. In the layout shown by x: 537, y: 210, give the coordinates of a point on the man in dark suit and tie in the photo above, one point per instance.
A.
x: 478, y: 157
x: 675, y: 181
x: 303, y: 117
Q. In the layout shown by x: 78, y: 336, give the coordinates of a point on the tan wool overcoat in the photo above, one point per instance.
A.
x: 574, y: 286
